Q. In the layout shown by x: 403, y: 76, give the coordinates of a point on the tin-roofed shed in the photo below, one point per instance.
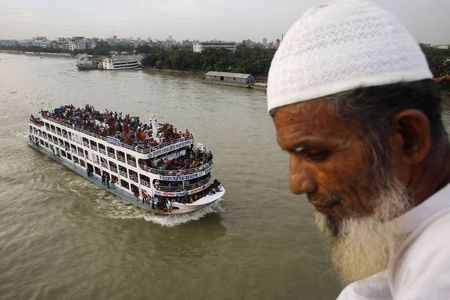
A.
x: 230, y: 78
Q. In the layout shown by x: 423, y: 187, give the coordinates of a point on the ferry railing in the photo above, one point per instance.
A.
x: 137, y: 148
x: 37, y: 122
x: 177, y: 172
x: 197, y: 184
x: 186, y: 187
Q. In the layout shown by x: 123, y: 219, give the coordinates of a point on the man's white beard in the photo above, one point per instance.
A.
x: 361, y: 247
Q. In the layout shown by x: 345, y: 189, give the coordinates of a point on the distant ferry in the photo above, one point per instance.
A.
x: 120, y: 63
x: 153, y: 166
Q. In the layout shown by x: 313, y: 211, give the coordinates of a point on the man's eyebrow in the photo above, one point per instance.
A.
x: 304, y: 145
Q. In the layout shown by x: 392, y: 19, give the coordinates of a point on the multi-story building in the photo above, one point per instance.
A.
x: 198, y: 46
x: 40, y: 41
x: 77, y: 43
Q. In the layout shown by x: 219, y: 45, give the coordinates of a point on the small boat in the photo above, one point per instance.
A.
x: 87, y: 63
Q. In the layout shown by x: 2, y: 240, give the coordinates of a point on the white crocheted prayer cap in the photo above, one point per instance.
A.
x: 339, y: 46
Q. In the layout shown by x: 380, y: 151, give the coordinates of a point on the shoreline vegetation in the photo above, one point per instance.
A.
x: 250, y: 60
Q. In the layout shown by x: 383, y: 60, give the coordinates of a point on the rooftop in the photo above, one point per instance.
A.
x: 129, y: 131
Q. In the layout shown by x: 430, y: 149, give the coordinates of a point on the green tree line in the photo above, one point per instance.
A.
x: 255, y: 60
x: 439, y: 62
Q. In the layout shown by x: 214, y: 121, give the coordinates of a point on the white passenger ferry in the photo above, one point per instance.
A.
x: 153, y: 166
x: 120, y: 63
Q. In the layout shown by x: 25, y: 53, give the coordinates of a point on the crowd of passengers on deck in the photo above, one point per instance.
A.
x: 192, y: 158
x: 129, y: 130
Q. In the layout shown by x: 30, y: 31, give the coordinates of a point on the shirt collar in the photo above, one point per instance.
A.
x: 422, y: 212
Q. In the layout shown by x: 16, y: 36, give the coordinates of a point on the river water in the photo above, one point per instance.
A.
x: 64, y: 238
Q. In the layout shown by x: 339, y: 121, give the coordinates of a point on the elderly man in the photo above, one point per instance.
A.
x: 354, y: 105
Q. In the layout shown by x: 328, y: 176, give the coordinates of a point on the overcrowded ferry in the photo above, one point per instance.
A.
x: 152, y: 165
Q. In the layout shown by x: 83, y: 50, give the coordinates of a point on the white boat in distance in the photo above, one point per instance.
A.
x: 153, y: 166
x: 120, y: 63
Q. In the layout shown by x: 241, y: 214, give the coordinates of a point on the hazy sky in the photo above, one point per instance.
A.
x: 428, y: 21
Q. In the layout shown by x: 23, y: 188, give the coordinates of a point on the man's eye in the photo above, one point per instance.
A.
x: 317, y: 155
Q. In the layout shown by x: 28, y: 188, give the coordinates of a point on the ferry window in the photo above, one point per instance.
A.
x: 97, y: 171
x: 124, y: 184
x: 131, y: 160
x: 114, y: 178
x: 111, y: 152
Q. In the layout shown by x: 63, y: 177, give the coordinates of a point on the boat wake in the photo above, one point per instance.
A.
x: 111, y: 207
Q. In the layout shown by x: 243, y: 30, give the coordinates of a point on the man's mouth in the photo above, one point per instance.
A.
x: 323, y: 204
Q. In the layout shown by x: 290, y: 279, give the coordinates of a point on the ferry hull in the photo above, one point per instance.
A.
x: 178, y: 208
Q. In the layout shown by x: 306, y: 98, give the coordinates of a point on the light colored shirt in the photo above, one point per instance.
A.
x: 419, y: 268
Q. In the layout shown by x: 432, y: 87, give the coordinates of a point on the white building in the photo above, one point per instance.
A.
x: 200, y: 46
x: 77, y: 43
x: 40, y: 41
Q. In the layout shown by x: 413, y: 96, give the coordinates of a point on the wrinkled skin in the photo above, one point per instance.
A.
x: 328, y: 160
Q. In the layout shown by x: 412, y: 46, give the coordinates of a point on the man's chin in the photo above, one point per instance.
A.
x: 358, y: 250
x: 359, y: 245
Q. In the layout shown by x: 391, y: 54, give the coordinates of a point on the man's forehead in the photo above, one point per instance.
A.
x: 303, y: 112
x: 309, y: 122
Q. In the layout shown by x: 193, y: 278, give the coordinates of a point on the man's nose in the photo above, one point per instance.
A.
x: 300, y: 180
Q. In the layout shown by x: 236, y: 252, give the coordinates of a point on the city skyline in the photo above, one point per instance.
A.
x: 193, y: 19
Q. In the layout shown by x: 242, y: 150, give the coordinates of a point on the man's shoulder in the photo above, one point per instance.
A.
x: 424, y: 264
x: 431, y: 238
x: 432, y: 233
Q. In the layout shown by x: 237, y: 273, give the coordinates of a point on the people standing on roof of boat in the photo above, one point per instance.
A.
x: 128, y: 130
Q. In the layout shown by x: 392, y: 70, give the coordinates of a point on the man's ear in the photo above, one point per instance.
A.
x: 412, y: 135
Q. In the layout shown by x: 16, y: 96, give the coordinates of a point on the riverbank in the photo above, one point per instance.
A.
x: 48, y: 54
